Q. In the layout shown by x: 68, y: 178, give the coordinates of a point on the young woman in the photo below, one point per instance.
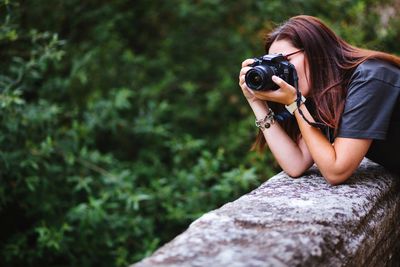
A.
x: 354, y: 92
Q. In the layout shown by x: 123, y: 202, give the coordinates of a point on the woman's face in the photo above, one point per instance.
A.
x: 298, y: 60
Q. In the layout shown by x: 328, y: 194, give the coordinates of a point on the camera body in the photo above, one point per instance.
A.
x: 258, y: 78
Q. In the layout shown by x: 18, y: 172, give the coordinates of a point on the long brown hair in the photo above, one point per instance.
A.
x: 331, y: 62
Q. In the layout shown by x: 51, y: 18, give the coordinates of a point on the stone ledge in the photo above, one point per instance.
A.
x: 297, y: 222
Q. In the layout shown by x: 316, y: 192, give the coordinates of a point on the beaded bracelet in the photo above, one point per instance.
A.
x: 267, y: 121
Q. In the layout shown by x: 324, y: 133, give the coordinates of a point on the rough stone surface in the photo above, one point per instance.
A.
x: 297, y: 222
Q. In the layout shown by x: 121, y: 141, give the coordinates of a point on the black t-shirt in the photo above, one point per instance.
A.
x: 372, y: 111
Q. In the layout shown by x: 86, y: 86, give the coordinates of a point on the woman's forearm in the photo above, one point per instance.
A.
x: 336, y: 162
x: 320, y: 148
x: 291, y: 157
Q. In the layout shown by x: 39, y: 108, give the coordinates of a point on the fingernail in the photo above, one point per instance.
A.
x: 275, y: 78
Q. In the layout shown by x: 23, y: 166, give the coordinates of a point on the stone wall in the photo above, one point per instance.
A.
x: 297, y: 222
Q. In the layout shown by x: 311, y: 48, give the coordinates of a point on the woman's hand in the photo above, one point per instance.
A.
x: 286, y: 94
x: 247, y: 92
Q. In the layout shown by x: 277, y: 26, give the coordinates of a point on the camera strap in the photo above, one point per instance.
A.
x: 324, y: 128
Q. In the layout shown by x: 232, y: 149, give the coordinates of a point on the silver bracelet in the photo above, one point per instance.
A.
x: 267, y: 121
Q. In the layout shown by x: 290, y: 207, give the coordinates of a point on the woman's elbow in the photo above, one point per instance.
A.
x: 295, y: 173
x: 331, y: 178
x: 336, y: 179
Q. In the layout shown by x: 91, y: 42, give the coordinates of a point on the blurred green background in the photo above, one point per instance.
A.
x: 122, y: 121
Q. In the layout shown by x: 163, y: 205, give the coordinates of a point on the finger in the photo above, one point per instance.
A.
x: 241, y: 80
x: 250, y: 91
x: 264, y: 95
x: 287, y: 93
x: 244, y: 70
x: 243, y: 85
x: 247, y: 62
x: 280, y: 82
x: 268, y: 95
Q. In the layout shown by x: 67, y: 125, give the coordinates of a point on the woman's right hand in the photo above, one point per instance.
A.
x: 247, y: 92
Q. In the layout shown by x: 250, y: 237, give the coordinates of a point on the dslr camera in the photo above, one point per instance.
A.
x: 259, y: 76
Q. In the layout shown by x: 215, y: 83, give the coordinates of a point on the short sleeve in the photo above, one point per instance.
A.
x: 369, y: 104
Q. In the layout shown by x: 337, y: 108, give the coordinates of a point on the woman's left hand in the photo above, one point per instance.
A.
x: 286, y: 94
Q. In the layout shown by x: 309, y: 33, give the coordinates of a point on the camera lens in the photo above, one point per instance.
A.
x: 254, y: 79
x: 259, y: 78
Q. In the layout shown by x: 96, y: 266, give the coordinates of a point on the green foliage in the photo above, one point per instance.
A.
x: 122, y: 121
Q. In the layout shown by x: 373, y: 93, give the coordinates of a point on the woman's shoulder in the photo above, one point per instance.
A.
x: 376, y: 69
